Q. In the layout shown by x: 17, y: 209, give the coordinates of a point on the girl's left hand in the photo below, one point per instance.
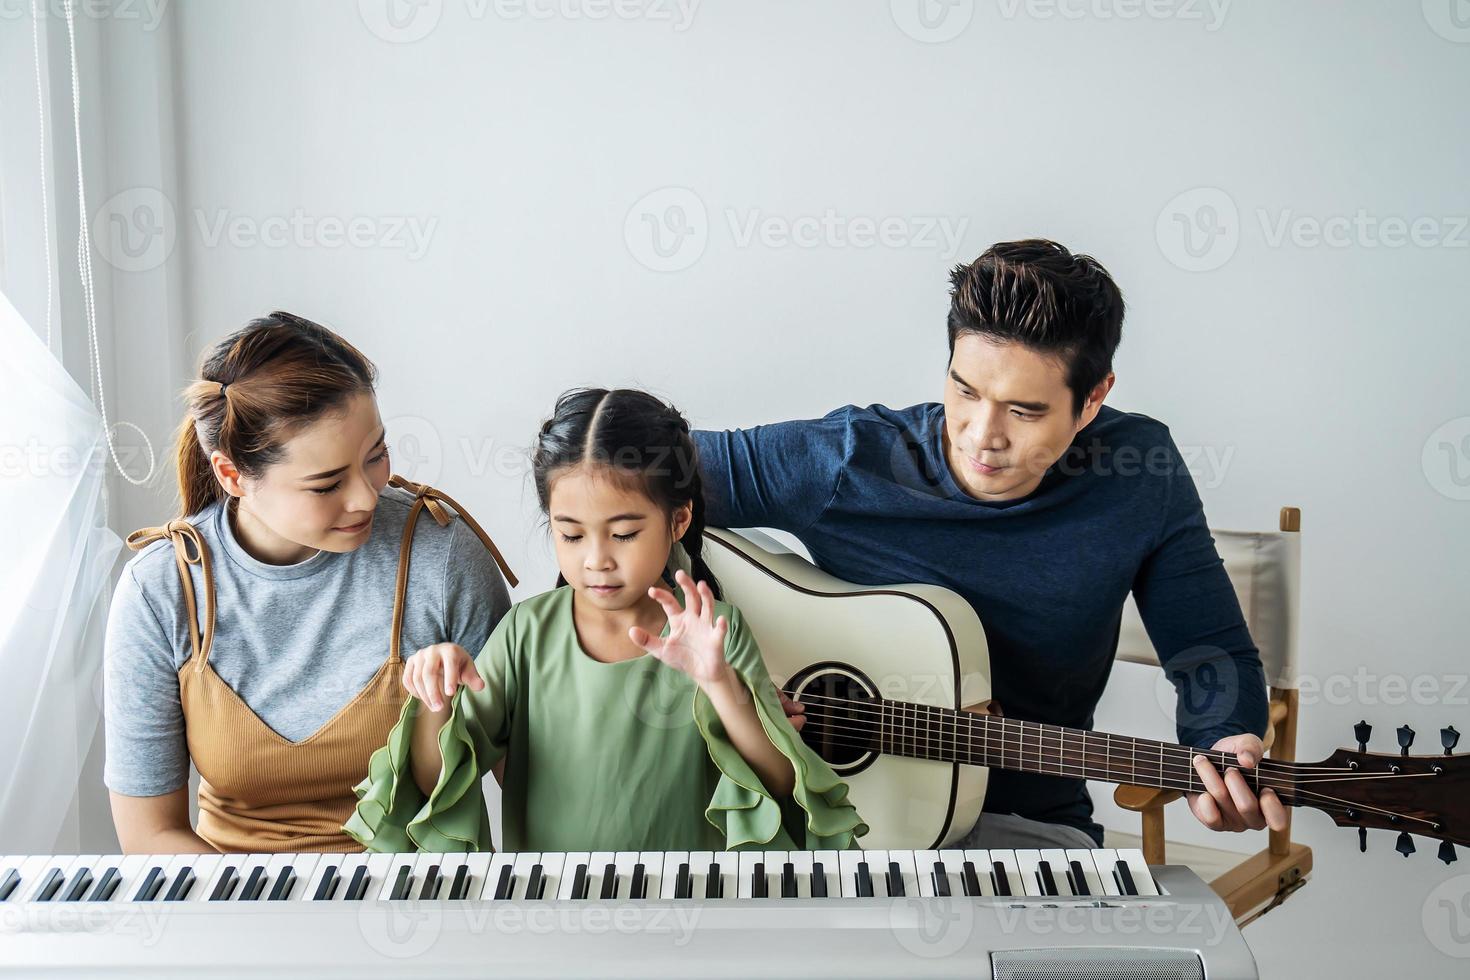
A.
x: 696, y: 640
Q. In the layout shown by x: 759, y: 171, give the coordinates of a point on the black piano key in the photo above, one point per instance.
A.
x: 223, y: 889
x: 536, y: 884
x: 819, y: 880
x: 327, y: 887
x: 461, y: 886
x: 106, y: 886
x: 579, y: 882
x: 10, y: 884
x: 998, y: 876
x: 609, y: 882
x: 1045, y: 878
x: 788, y: 880
x: 759, y: 887
x: 285, y: 881
x: 80, y: 882
x: 402, y: 884
x: 714, y: 883
x: 684, y: 883
x: 895, y: 880
x: 254, y: 885
x: 638, y: 885
x: 183, y: 883
x: 970, y: 881
x: 941, y: 880
x: 505, y: 884
x: 864, y: 881
x: 151, y: 885
x: 1079, y: 879
x: 432, y: 881
x: 1124, y: 878
x: 358, y: 886
x: 50, y: 885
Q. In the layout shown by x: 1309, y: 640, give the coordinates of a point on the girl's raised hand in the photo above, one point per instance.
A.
x: 696, y: 640
x: 434, y: 673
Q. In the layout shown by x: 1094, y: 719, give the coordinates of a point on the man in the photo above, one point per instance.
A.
x: 1042, y: 507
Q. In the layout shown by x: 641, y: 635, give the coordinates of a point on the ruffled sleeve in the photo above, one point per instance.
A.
x: 392, y: 814
x: 818, y: 815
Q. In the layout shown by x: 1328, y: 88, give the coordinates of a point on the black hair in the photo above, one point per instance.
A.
x: 640, y: 439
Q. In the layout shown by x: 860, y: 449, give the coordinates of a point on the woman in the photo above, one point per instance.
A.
x: 248, y: 637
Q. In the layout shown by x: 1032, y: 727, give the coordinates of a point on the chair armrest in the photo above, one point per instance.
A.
x: 1140, y: 798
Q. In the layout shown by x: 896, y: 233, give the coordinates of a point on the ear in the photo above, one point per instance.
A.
x: 1094, y: 402
x: 225, y: 472
x: 683, y: 517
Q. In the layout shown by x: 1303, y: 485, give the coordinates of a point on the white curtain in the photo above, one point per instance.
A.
x: 56, y: 559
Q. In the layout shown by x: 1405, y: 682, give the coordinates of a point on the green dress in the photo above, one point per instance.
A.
x: 625, y: 756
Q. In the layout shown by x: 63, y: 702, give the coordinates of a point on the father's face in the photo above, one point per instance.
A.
x: 1008, y: 416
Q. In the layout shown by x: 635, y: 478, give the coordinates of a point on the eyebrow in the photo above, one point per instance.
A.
x: 322, y: 476
x: 620, y: 517
x: 1028, y: 406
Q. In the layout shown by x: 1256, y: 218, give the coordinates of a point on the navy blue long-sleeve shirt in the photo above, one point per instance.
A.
x: 870, y: 495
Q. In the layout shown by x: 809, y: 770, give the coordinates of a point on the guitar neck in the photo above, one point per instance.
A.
x: 946, y: 735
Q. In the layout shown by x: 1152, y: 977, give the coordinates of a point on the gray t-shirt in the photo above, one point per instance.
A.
x: 295, y: 642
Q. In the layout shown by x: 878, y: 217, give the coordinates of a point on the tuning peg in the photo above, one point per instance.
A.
x: 1363, y: 839
x: 1447, y: 852
x: 1406, y: 738
x: 1405, y: 844
x: 1361, y: 731
x: 1449, y: 738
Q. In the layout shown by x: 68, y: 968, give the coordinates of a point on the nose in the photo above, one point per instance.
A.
x: 986, y: 428
x: 363, y: 496
x: 599, y: 556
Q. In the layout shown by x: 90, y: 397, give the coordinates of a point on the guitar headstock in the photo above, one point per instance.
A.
x: 1424, y: 795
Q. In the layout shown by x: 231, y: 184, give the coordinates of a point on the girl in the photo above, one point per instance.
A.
x: 630, y: 705
x: 247, y: 636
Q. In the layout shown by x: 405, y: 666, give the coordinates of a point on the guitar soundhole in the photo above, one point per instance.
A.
x: 841, y: 715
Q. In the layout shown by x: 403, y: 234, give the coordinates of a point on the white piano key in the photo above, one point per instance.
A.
x: 477, y: 864
x: 1090, y: 877
x: 499, y: 861
x: 699, y: 862
x: 1143, y: 878
x: 383, y: 886
x: 551, y: 874
x: 924, y: 862
x: 597, y: 870
x: 1007, y: 858
x: 801, y: 865
x: 343, y: 864
x: 301, y: 866
x: 1104, y: 858
x: 831, y: 871
x: 219, y: 864
x: 669, y: 879
x: 981, y: 860
x: 32, y: 884
x: 131, y: 890
x: 954, y: 866
x: 877, y: 867
x: 427, y: 861
x: 574, y: 860
x: 524, y: 862
x: 907, y: 869
x: 848, y: 862
x: 746, y: 865
x: 625, y: 862
x: 653, y: 872
x: 729, y: 862
x: 172, y: 872
x: 1056, y: 857
x: 775, y: 862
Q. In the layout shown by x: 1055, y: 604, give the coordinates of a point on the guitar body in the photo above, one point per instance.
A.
x: 824, y: 638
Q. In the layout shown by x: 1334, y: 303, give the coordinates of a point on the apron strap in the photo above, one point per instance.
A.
x: 189, y: 549
x: 427, y: 498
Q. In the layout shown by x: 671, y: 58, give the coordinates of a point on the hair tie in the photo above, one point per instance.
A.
x: 222, y: 387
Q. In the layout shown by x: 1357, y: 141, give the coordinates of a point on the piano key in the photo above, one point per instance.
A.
x: 1056, y: 861
x: 623, y: 864
x: 748, y: 864
x: 551, y: 873
x: 954, y: 865
x: 925, y: 861
x: 1007, y: 872
x: 801, y: 874
x: 219, y: 876
x: 77, y: 876
x: 982, y: 872
x: 181, y: 884
x: 847, y: 866
x: 50, y: 884
x: 328, y: 883
x: 9, y: 883
x: 824, y: 879
x: 495, y: 875
x: 224, y: 885
x: 80, y: 883
x: 699, y: 868
x: 653, y: 873
x: 729, y: 866
x: 638, y: 884
x: 287, y: 872
x: 1028, y: 860
x: 433, y: 883
x: 399, y: 882
x: 1143, y: 878
x: 247, y: 871
x: 358, y: 885
x: 152, y: 884
x: 676, y: 879
x: 1104, y: 858
x: 477, y: 875
x: 204, y: 867
x: 1085, y: 879
x: 521, y: 873
x: 535, y: 884
x: 775, y: 862
x: 1124, y: 877
x: 907, y: 876
x: 505, y: 882
x: 893, y: 880
x: 574, y: 876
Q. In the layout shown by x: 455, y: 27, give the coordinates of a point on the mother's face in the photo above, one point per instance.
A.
x: 324, y: 490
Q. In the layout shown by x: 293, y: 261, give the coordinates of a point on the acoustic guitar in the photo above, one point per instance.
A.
x: 886, y: 673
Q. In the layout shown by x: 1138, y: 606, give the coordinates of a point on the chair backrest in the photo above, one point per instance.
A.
x: 1265, y: 569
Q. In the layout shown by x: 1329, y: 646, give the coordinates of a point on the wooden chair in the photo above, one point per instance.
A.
x: 1265, y: 568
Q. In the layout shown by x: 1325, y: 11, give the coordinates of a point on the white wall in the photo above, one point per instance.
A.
x: 1304, y: 374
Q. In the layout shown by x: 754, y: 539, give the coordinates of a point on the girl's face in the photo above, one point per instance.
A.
x: 324, y: 490
x: 612, y: 541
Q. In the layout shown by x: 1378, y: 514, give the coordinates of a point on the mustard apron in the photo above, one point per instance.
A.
x: 260, y: 792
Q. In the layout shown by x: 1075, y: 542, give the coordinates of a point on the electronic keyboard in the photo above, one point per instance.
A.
x: 976, y: 913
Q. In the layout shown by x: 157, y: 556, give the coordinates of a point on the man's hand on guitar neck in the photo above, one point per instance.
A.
x: 1229, y: 803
